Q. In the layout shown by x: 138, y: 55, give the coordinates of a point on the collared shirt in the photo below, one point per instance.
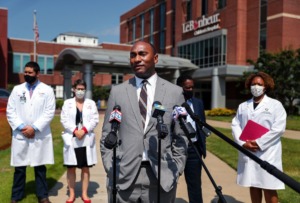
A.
x: 28, y: 86
x: 189, y: 119
x: 151, y: 85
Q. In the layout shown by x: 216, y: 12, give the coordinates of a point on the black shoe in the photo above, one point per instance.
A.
x: 44, y: 200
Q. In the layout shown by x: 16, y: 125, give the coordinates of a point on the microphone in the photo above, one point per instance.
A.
x: 179, y: 114
x: 158, y: 112
x: 115, y: 120
x: 196, y: 118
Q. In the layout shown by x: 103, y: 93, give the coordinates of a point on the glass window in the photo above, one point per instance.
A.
x: 116, y: 79
x: 46, y: 63
x: 142, y: 26
x: 189, y: 10
x: 222, y: 4
x: 263, y: 24
x: 204, y: 7
x: 206, y: 53
x: 133, y: 29
x: 19, y: 61
x: 151, y: 26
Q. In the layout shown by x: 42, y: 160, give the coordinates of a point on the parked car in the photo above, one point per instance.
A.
x: 4, y: 93
x: 5, y: 132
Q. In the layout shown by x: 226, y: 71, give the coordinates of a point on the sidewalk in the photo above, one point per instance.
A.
x: 222, y: 174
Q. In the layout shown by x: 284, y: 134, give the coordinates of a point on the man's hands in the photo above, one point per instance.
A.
x: 251, y: 145
x: 28, y: 132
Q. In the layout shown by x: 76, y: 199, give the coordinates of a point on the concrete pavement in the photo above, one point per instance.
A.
x: 221, y: 173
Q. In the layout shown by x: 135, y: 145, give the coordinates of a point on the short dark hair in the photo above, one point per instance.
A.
x: 152, y: 46
x: 34, y: 65
x: 79, y: 82
x: 181, y: 79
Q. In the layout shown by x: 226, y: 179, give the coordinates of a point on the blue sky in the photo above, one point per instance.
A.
x: 100, y: 18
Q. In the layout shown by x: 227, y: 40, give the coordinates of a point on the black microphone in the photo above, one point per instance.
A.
x: 196, y: 118
x: 158, y: 112
x: 179, y: 113
x: 115, y: 120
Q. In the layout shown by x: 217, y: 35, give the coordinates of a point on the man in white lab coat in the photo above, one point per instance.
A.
x: 30, y: 110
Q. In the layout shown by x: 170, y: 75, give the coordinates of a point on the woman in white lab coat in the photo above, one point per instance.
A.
x: 79, y: 117
x: 269, y: 113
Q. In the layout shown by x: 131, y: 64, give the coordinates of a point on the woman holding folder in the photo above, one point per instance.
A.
x: 268, y: 117
x: 79, y: 117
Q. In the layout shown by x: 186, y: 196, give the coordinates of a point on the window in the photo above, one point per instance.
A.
x: 189, y: 10
x: 19, y: 61
x: 46, y: 64
x: 162, y: 28
x: 222, y: 4
x: 59, y: 91
x: 263, y: 24
x: 204, y: 7
x: 133, y: 29
x: 205, y: 53
x: 116, y: 78
x: 151, y: 26
x: 142, y: 26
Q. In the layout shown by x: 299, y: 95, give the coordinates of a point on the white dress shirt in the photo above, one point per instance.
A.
x: 189, y: 119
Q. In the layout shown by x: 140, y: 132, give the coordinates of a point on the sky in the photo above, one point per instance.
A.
x: 100, y: 18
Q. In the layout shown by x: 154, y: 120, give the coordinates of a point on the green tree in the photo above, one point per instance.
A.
x: 284, y: 67
x: 100, y: 92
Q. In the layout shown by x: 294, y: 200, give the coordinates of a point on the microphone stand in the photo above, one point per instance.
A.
x: 190, y: 132
x: 162, y: 133
x: 263, y: 164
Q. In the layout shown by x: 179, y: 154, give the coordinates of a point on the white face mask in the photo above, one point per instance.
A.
x: 257, y: 90
x: 79, y: 93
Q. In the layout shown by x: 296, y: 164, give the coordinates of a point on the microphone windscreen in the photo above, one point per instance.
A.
x: 117, y: 107
x: 158, y: 109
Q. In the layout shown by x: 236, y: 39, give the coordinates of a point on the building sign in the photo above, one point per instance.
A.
x: 203, y: 25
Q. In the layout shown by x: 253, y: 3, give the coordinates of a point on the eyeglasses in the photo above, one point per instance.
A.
x: 80, y: 89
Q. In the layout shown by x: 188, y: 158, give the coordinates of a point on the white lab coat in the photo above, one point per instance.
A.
x: 270, y: 114
x: 90, y: 119
x: 38, y: 111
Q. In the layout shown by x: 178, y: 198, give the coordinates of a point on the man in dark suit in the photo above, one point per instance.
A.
x: 137, y: 155
x: 192, y: 171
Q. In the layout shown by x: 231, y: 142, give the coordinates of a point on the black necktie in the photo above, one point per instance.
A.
x: 143, y: 102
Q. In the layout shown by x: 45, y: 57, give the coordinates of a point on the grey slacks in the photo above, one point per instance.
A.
x: 143, y: 190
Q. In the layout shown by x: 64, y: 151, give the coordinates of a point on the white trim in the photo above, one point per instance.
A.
x: 280, y: 15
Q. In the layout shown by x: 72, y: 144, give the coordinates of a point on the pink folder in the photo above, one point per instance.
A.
x: 252, y: 131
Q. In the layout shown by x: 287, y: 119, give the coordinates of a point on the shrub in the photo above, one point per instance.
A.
x: 59, y: 103
x: 221, y: 112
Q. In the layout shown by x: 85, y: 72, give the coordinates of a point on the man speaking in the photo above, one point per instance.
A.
x: 137, y: 152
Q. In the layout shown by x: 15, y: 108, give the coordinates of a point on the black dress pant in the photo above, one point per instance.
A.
x: 18, y: 188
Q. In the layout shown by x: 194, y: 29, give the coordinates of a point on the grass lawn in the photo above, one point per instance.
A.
x: 54, y: 172
x: 292, y: 122
x: 291, y: 160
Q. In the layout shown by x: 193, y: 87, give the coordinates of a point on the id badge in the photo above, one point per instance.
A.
x: 23, y: 99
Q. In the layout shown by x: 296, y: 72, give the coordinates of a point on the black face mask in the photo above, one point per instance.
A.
x: 187, y: 94
x: 30, y: 79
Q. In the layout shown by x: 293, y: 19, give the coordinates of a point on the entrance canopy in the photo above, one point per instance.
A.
x: 106, y: 60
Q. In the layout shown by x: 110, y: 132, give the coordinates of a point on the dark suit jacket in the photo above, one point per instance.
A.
x: 134, y: 140
x: 199, y: 110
